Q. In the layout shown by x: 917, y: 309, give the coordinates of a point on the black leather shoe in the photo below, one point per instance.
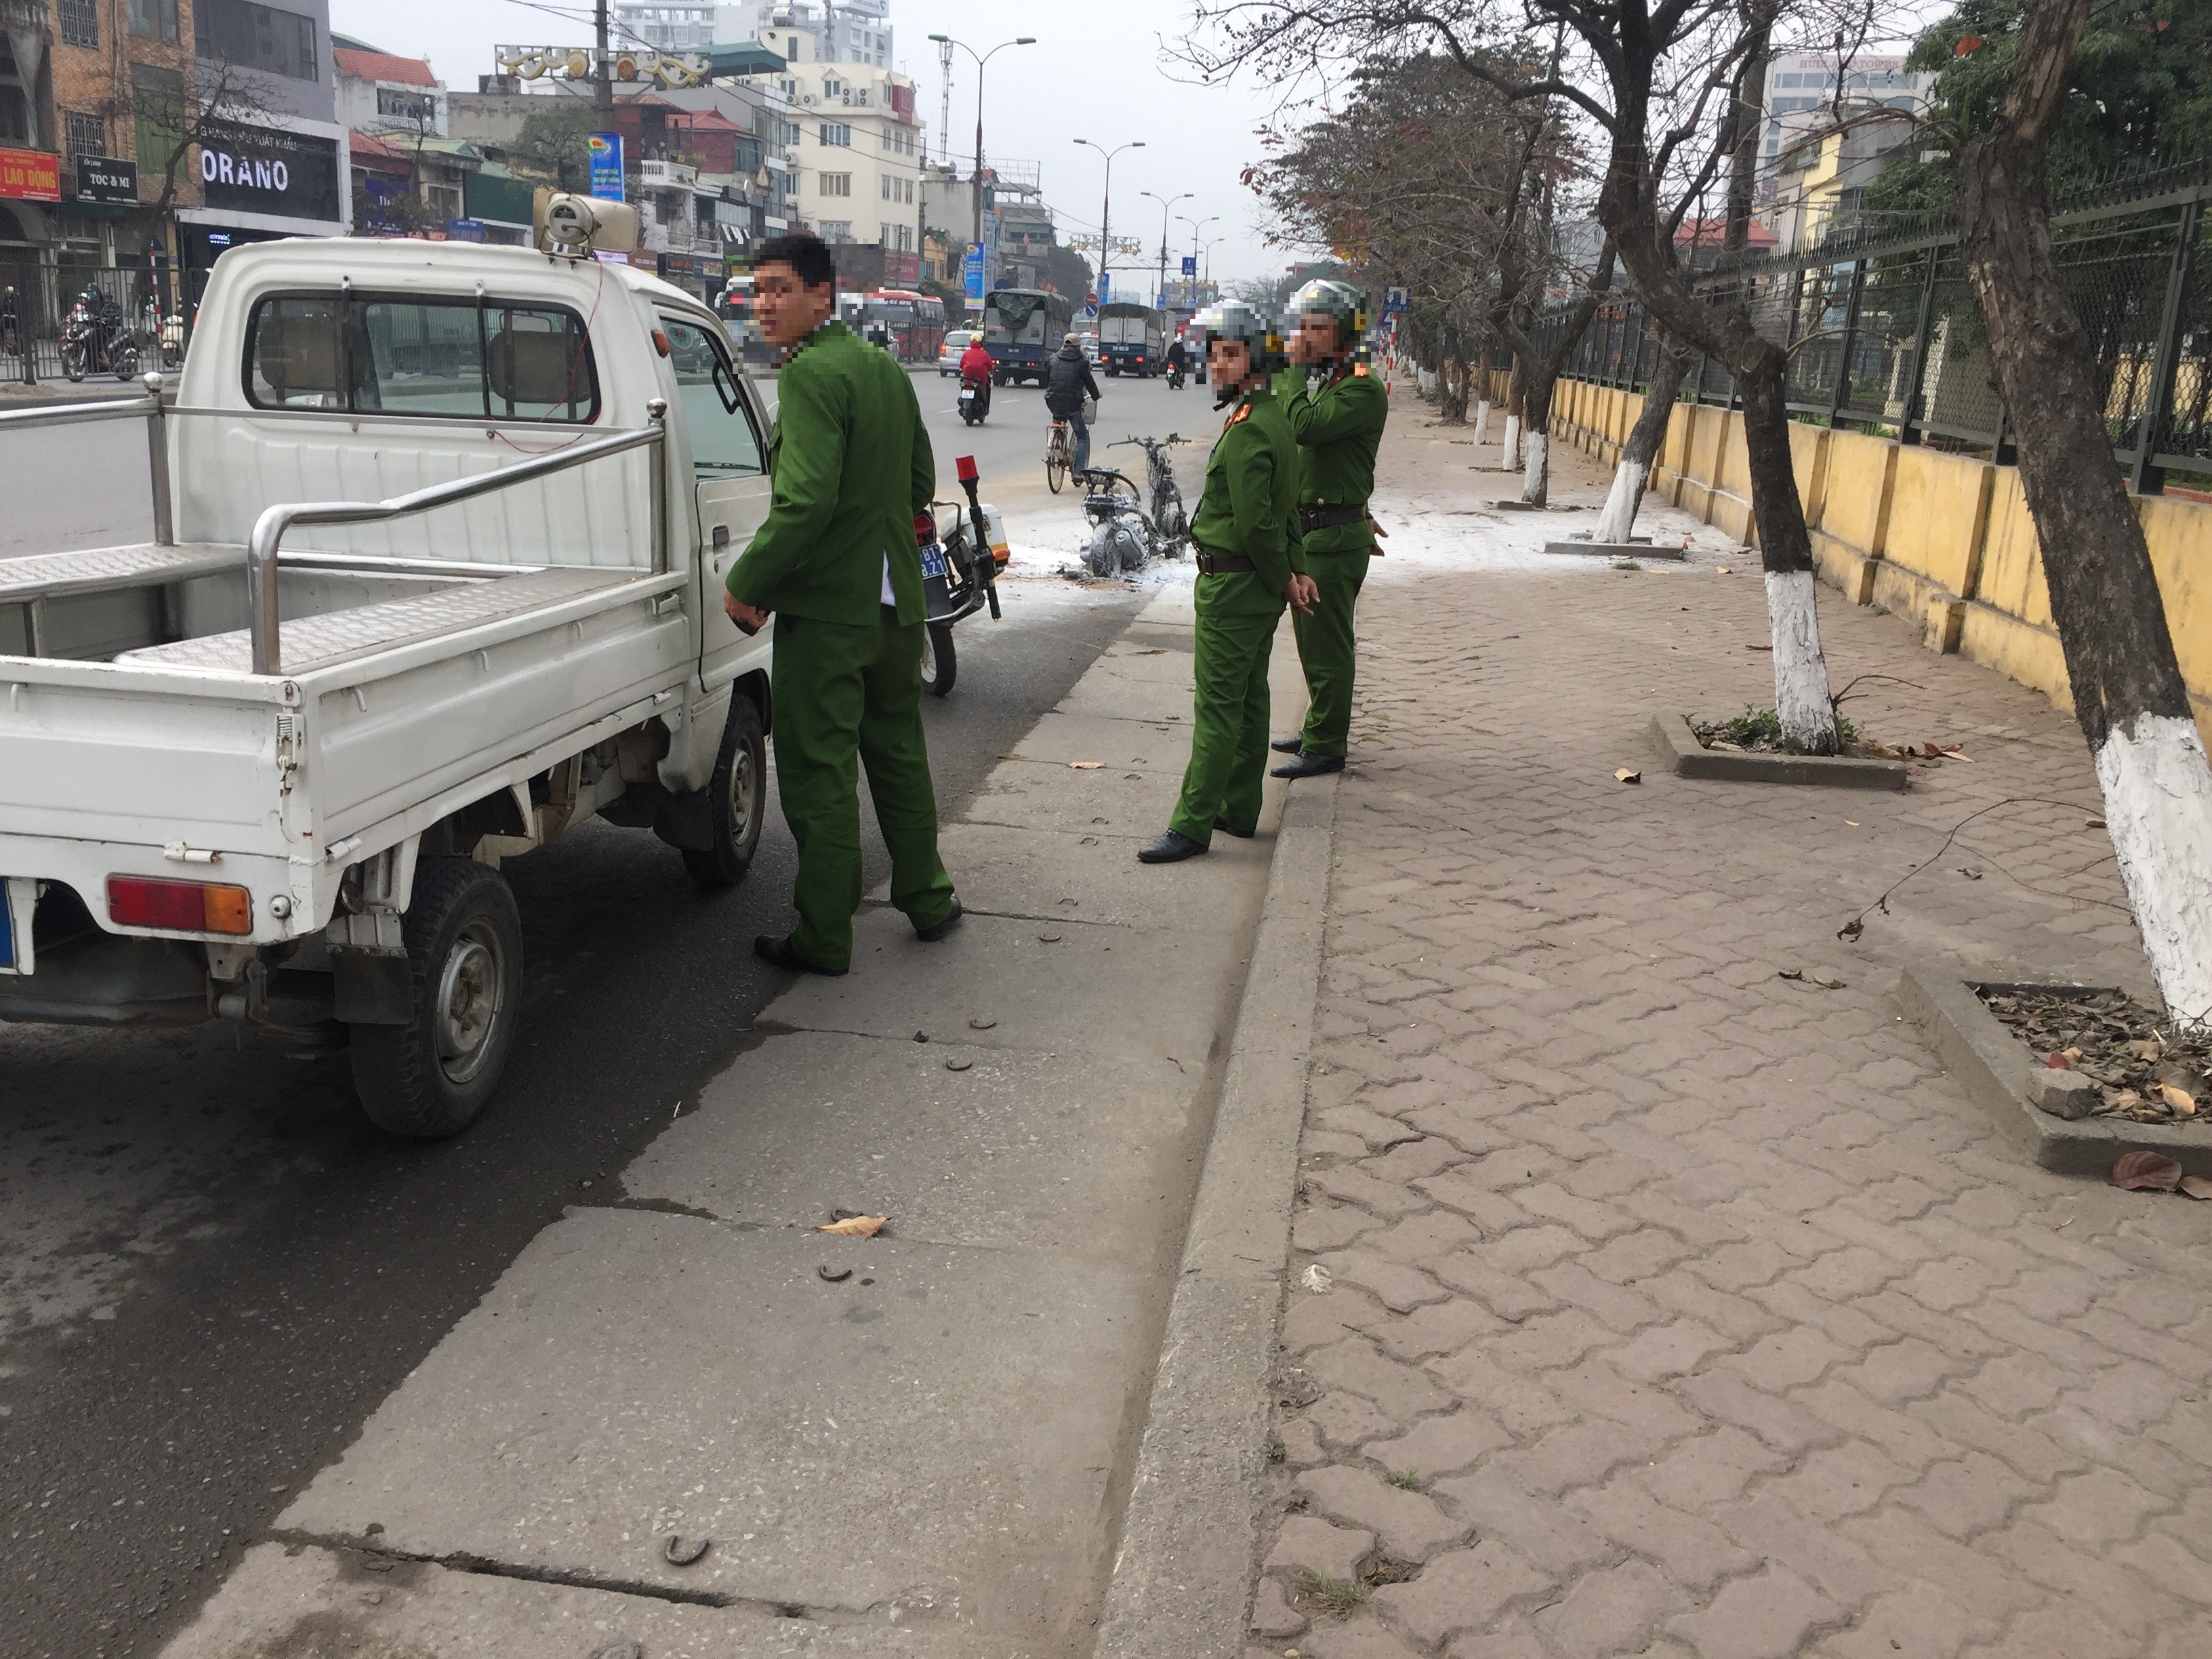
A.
x: 769, y: 948
x: 1222, y: 825
x: 1309, y: 766
x: 932, y: 935
x: 1290, y: 745
x: 1171, y: 847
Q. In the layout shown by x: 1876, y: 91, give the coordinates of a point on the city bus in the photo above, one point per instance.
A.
x: 915, y: 322
x: 1022, y: 329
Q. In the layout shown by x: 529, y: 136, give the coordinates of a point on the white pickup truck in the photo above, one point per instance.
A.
x: 439, y: 540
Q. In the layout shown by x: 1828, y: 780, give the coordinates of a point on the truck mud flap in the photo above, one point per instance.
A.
x: 372, y: 988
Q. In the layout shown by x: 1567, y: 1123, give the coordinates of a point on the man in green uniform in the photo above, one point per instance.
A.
x: 1246, y: 543
x: 835, y: 562
x: 1337, y: 416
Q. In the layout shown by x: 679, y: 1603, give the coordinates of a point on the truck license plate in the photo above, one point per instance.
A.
x: 933, y: 560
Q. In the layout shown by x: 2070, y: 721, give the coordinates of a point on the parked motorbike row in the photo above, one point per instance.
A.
x: 98, y: 338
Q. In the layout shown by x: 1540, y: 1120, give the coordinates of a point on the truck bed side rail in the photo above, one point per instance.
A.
x: 268, y: 529
x: 111, y: 408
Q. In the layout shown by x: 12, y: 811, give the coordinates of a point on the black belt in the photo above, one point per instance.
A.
x: 1221, y: 564
x: 1323, y: 517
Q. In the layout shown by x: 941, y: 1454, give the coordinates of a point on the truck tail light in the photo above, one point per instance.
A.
x: 182, y: 907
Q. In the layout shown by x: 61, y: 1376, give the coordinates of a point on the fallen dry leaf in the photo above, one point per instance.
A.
x: 1759, y: 648
x: 855, y: 1226
x: 2180, y: 1099
x: 2071, y: 1053
x: 2057, y: 1062
x: 2147, y: 1048
x: 1883, y: 751
x: 1790, y: 973
x: 1827, y: 984
x: 1854, y: 822
x: 1952, y: 751
x: 2146, y: 1172
x: 1971, y: 875
x: 1723, y: 570
x: 1929, y: 751
x: 1084, y: 766
x: 1625, y: 775
x: 1722, y: 742
x: 2196, y: 1186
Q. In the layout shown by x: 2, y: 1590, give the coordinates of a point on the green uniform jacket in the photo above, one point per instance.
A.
x: 1250, y: 506
x: 846, y: 417
x: 1339, y: 428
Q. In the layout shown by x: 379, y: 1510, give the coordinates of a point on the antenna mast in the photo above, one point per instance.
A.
x: 945, y: 109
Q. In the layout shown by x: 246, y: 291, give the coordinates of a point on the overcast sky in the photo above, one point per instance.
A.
x: 1096, y: 72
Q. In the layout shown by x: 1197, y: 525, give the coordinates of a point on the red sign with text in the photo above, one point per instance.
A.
x: 30, y: 175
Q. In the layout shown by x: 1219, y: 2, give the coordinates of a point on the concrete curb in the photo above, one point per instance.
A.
x: 1993, y: 1066
x: 1692, y: 759
x: 1182, y: 1572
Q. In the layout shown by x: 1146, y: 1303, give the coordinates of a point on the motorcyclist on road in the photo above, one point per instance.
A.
x: 1067, y: 382
x: 975, y: 367
x: 1178, y: 361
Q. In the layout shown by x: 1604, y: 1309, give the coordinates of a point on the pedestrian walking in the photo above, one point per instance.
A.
x: 1245, y: 543
x: 1335, y: 407
x: 836, y: 564
x: 1067, y: 384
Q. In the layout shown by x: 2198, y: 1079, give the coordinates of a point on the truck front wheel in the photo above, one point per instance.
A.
x: 737, y: 800
x: 430, y: 1077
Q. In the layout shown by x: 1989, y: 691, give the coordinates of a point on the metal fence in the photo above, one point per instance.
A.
x: 1885, y: 334
x: 36, y: 300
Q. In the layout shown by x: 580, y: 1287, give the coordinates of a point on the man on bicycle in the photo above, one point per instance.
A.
x: 1067, y: 382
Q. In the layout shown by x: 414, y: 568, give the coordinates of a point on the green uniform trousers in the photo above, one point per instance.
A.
x: 844, y: 694
x: 1328, y: 649
x: 1229, y: 736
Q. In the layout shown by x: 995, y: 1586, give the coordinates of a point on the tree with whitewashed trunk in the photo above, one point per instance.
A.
x: 1631, y: 474
x: 2129, y: 694
x: 1677, y: 87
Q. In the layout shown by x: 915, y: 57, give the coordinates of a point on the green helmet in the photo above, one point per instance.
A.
x: 1345, y: 303
x: 1233, y: 319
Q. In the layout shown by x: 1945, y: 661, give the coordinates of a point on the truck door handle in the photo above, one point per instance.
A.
x: 666, y: 603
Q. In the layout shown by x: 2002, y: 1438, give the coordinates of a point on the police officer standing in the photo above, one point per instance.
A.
x: 1246, y: 550
x: 835, y: 562
x: 1337, y: 416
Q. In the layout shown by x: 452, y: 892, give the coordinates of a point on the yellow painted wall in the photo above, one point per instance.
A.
x: 1941, y: 540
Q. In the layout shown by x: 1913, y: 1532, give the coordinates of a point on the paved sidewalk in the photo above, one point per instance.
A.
x: 1673, y: 1307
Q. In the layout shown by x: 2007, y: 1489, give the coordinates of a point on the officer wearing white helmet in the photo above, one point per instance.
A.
x: 1246, y: 545
x: 1336, y: 409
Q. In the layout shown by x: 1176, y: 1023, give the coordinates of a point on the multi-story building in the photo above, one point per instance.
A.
x: 830, y: 32
x: 1807, y: 81
x: 160, y: 128
x: 860, y: 166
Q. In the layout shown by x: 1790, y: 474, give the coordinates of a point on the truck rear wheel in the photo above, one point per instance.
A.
x: 737, y: 800
x: 430, y: 1077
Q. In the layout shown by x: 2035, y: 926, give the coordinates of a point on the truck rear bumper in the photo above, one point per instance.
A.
x: 105, y: 979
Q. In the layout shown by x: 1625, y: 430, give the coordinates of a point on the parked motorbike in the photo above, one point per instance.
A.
x: 1123, y: 534
x: 96, y: 336
x: 960, y: 561
x: 975, y: 400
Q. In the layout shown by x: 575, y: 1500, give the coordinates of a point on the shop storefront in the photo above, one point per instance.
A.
x: 694, y: 273
x: 259, y: 183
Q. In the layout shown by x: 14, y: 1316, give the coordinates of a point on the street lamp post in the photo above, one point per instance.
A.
x: 976, y: 241
x: 1106, y: 210
x: 1196, y: 246
x: 1167, y: 206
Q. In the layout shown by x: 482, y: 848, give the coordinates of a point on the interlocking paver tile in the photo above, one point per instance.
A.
x: 1700, y: 1313
x: 1308, y: 1543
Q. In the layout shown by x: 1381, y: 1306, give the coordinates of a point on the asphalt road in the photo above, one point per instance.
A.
x: 211, y: 1268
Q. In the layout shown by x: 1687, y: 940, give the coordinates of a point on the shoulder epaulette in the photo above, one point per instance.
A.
x: 1243, y: 413
x: 1359, y: 371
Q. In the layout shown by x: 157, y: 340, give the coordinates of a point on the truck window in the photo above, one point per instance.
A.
x: 462, y: 358
x: 724, y: 444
